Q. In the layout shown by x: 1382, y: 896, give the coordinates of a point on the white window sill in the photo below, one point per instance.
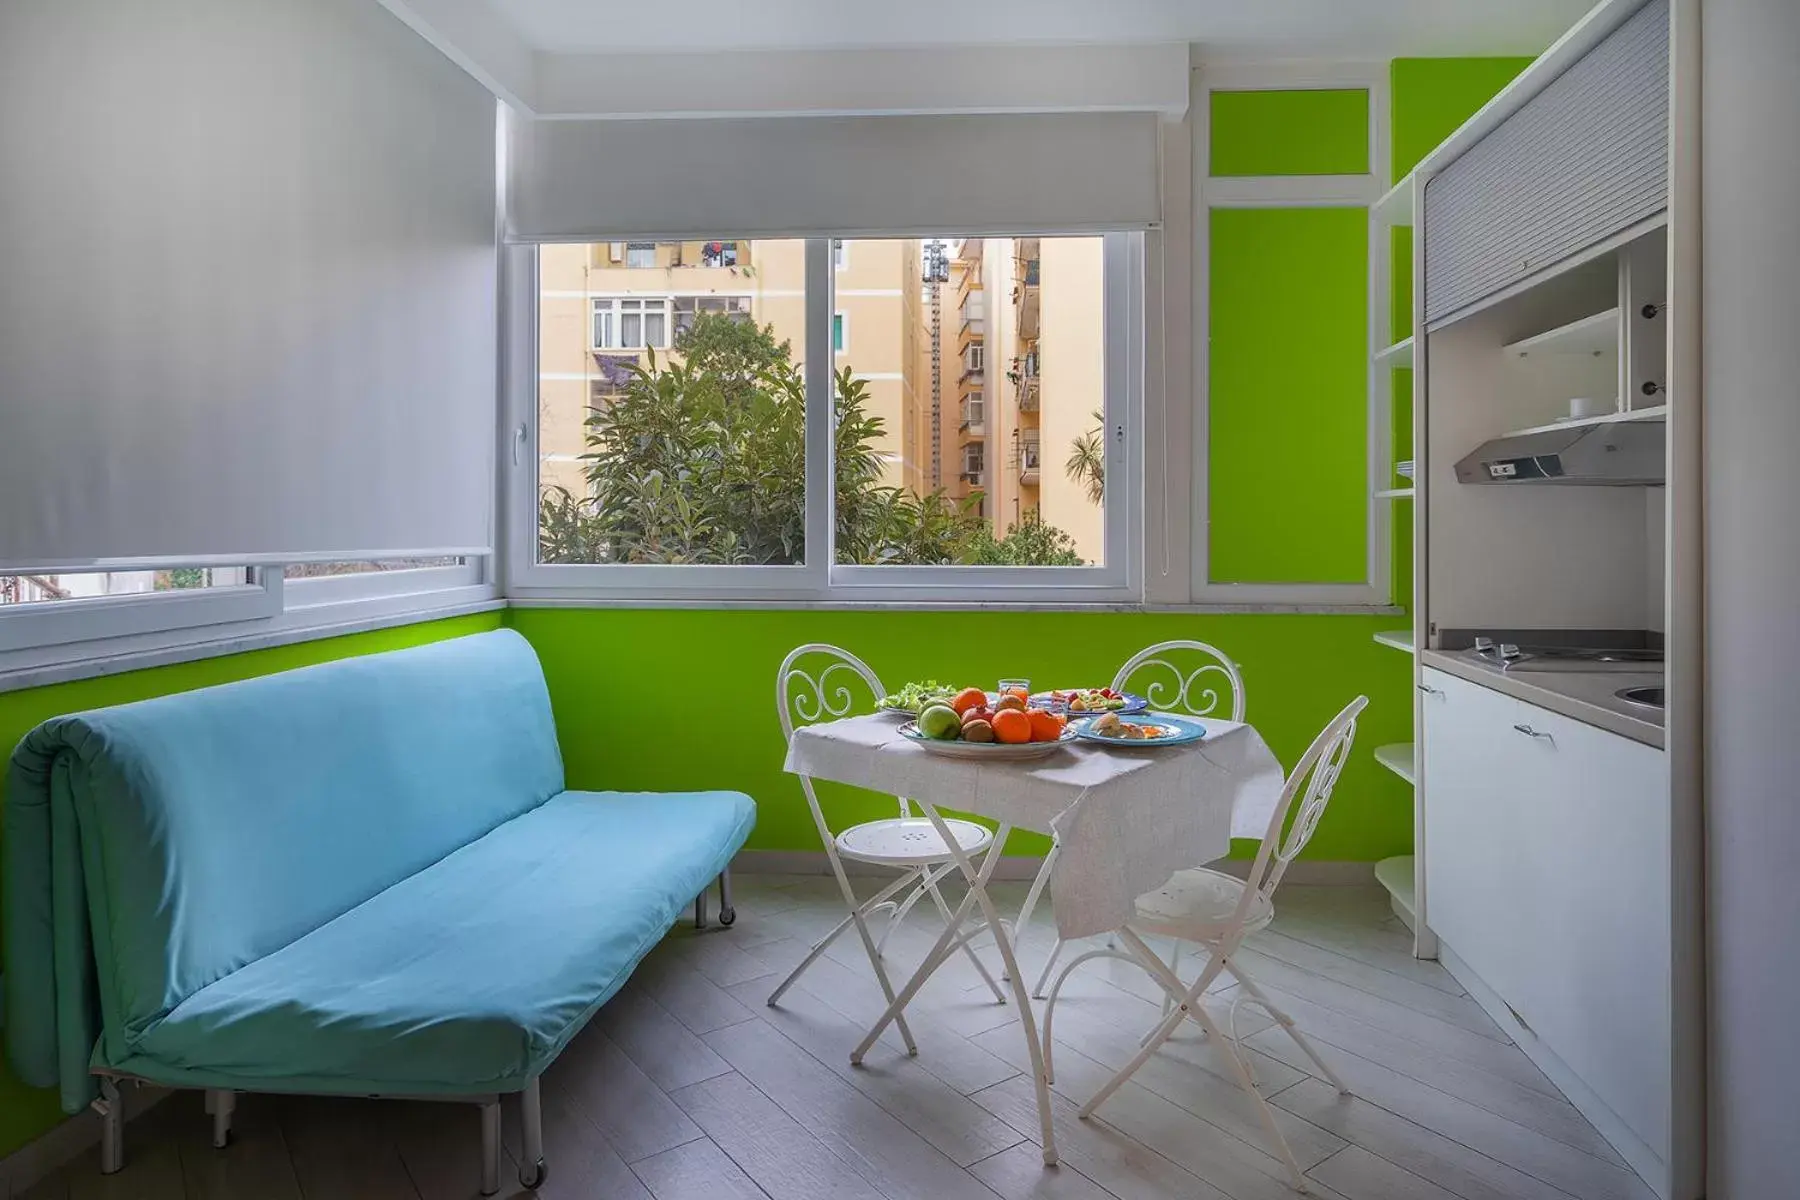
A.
x: 304, y: 623
x: 1069, y: 606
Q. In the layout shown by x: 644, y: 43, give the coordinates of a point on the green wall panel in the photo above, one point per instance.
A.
x: 1430, y: 97
x: 1288, y: 395
x: 684, y: 698
x: 25, y: 1112
x: 1324, y: 132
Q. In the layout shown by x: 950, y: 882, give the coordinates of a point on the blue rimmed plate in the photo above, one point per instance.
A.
x: 1180, y: 731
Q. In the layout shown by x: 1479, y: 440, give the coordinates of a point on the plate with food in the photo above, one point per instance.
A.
x: 1147, y: 729
x: 1006, y: 732
x: 1089, y: 701
x: 911, y: 700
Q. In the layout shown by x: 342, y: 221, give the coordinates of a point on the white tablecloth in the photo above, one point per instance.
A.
x: 1126, y: 819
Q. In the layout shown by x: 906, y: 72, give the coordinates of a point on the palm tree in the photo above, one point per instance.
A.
x: 1087, y: 460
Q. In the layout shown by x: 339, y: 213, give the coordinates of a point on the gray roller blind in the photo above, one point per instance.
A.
x: 1583, y: 159
x: 248, y: 300
x: 605, y: 179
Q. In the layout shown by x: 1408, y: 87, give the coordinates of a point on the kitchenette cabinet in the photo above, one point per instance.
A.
x: 1548, y: 871
x: 1556, y: 866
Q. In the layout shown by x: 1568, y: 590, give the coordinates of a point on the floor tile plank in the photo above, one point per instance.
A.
x: 855, y: 1128
x: 696, y: 1171
x: 671, y: 1054
x: 341, y: 1149
x: 636, y: 1116
x: 771, y: 1147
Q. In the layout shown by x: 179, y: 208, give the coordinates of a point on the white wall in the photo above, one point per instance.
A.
x: 1750, y: 98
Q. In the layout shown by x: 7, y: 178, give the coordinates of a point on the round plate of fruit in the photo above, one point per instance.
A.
x: 974, y: 725
x: 1147, y: 729
x: 1079, y: 702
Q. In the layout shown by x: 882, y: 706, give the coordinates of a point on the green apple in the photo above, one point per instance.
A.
x: 939, y: 721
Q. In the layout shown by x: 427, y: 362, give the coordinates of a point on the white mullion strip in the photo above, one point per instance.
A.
x: 821, y: 490
x: 1293, y: 191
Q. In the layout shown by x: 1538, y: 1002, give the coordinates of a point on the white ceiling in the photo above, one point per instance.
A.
x: 1227, y: 28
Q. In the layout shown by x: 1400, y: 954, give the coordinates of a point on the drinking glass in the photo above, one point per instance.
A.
x: 1022, y: 687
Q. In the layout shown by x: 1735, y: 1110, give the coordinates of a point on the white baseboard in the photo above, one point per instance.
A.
x: 38, y: 1159
x: 1636, y: 1153
x: 1306, y: 872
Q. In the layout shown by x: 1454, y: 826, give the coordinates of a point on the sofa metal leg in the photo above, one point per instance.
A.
x: 700, y: 910
x: 111, y: 1108
x: 531, y: 1162
x: 221, y: 1103
x: 490, y: 1147
x: 727, y: 914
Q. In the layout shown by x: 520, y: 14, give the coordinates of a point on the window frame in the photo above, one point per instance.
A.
x: 617, y: 312
x: 1117, y: 581
x: 60, y: 623
x: 1375, y: 591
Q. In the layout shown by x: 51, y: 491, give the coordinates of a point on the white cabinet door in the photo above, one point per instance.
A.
x: 1477, y: 834
x: 1600, y: 994
x: 1547, y: 873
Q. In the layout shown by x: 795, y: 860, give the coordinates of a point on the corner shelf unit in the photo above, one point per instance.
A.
x: 1397, y: 758
x: 1395, y: 210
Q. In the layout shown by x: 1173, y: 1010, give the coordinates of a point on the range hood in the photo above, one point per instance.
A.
x: 1612, y: 454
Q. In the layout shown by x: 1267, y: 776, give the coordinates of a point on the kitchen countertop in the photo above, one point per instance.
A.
x: 1582, y: 695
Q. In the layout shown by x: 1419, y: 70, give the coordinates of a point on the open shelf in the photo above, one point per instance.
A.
x: 1396, y: 875
x: 1398, y: 758
x: 1396, y: 208
x: 1598, y: 334
x: 1399, y: 639
x: 1404, y: 493
x: 1659, y: 412
x: 1400, y: 354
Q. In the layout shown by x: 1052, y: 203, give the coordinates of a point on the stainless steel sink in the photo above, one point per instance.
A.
x: 1649, y: 696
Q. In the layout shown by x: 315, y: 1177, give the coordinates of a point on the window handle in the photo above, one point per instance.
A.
x: 1429, y: 690
x: 520, y: 435
x: 1528, y: 731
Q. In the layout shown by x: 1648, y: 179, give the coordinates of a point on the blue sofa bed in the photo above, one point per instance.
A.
x: 363, y: 878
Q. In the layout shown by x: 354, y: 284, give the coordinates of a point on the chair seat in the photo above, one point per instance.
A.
x: 1197, y: 906
x: 909, y: 841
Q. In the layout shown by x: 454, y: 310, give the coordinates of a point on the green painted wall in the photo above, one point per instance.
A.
x: 701, y: 687
x: 25, y: 1112
x: 1316, y: 132
x: 1288, y: 395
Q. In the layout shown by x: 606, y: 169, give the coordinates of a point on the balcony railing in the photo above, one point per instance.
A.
x: 973, y: 414
x: 1029, y: 397
x: 1029, y: 462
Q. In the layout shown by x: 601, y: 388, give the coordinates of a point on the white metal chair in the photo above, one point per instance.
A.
x: 1181, y: 676
x: 1217, y: 912
x: 818, y: 682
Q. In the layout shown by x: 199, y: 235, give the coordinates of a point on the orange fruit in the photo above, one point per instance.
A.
x: 1012, y: 726
x: 1045, y: 726
x: 967, y: 699
x: 1009, y: 701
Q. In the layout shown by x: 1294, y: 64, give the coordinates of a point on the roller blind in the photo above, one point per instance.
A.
x: 594, y: 180
x: 248, y: 299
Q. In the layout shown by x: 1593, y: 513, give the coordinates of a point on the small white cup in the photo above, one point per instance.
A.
x: 1586, y: 406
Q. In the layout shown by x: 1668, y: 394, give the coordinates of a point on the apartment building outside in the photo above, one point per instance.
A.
x: 608, y: 304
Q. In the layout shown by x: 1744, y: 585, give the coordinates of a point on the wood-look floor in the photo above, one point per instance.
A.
x: 688, y: 1087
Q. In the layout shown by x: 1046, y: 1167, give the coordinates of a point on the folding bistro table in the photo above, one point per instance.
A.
x: 1124, y: 819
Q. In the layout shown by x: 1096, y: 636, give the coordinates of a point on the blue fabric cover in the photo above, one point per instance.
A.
x: 472, y: 974
x: 155, y: 851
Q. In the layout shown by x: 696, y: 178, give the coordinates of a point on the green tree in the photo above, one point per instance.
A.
x: 1087, y: 460
x: 702, y: 459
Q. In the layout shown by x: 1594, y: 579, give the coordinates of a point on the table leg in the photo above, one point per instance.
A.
x: 978, y: 889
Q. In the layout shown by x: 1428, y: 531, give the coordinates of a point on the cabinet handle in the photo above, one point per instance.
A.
x: 1429, y: 690
x: 1528, y: 731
